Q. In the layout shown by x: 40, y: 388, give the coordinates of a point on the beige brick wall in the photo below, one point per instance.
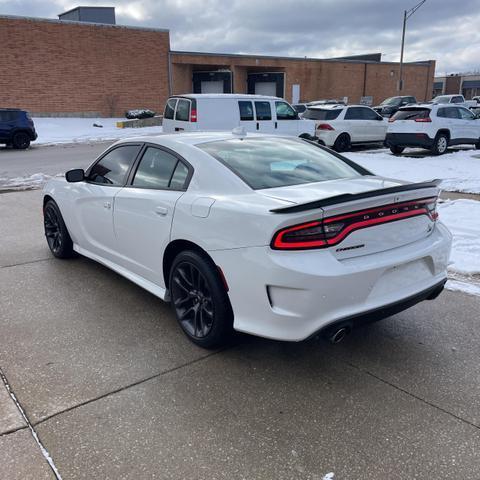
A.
x: 58, y: 67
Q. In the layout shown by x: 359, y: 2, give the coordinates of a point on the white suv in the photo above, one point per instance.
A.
x: 340, y: 126
x: 432, y: 126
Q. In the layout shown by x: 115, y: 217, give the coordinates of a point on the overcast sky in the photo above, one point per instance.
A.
x: 445, y: 30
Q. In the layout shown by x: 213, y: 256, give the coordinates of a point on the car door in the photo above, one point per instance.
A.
x: 247, y: 115
x: 94, y: 200
x: 144, y: 210
x: 375, y: 125
x: 182, y: 116
x: 355, y: 124
x: 263, y: 113
x: 470, y: 125
x: 286, y: 119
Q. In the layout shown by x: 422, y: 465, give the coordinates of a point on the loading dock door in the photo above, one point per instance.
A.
x: 266, y: 84
x: 212, y: 82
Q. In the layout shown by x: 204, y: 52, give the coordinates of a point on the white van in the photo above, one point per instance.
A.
x: 256, y: 113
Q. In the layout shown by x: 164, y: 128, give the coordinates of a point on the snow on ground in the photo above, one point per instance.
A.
x: 73, y: 130
x: 459, y: 169
x: 37, y: 180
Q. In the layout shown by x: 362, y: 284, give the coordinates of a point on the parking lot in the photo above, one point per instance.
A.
x: 113, y: 389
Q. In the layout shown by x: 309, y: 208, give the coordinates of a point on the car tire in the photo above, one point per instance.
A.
x: 21, y: 140
x: 440, y: 144
x: 477, y: 145
x: 342, y: 143
x: 56, y: 233
x: 200, y: 301
x: 396, y: 150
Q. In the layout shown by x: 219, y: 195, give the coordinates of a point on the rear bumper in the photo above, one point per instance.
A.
x: 327, y: 137
x: 421, y: 140
x: 291, y: 295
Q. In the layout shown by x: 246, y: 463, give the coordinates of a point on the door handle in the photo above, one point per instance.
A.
x: 276, y: 125
x: 107, y: 205
x: 161, y: 211
x: 258, y: 126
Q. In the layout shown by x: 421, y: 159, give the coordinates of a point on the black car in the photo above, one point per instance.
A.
x: 391, y: 105
x: 16, y: 128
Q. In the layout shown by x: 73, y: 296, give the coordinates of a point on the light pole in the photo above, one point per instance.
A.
x: 406, y: 15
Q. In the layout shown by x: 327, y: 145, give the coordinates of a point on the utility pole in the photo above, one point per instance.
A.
x: 406, y: 15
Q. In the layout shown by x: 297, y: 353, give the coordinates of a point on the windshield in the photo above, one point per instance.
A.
x: 321, y: 114
x: 278, y: 162
x: 441, y: 99
x: 391, y: 101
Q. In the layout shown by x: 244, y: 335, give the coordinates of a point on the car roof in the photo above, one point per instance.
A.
x: 335, y: 106
x: 226, y: 95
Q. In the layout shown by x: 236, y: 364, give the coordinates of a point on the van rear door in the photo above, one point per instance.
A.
x: 247, y: 115
x: 185, y: 116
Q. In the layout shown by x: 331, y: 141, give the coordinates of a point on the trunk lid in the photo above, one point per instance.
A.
x: 375, y: 215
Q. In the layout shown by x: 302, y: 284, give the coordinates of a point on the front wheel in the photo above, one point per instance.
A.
x: 440, y: 144
x: 396, y: 150
x: 56, y: 232
x: 200, y: 300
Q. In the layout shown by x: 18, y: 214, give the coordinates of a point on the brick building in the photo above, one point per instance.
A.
x: 64, y: 67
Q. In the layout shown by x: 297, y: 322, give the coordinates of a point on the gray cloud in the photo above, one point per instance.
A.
x: 445, y: 30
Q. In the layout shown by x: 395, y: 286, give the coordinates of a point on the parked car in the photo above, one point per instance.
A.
x: 432, y: 126
x: 340, y: 126
x: 476, y: 99
x: 263, y: 234
x: 213, y: 112
x: 301, y: 107
x: 456, y: 99
x: 16, y: 128
x: 390, y: 105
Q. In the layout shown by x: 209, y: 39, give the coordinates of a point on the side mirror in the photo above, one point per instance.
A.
x: 75, y: 175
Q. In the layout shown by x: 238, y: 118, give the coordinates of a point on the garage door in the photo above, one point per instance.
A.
x: 266, y: 88
x: 212, y: 87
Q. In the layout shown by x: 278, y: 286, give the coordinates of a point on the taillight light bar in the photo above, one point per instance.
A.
x: 324, y: 126
x: 193, y: 115
x: 332, y: 230
x: 423, y: 120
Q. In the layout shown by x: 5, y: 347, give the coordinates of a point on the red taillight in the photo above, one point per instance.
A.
x: 324, y: 126
x: 193, y: 115
x: 423, y: 120
x: 332, y: 230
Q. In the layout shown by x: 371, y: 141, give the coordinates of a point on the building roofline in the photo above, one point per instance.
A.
x: 84, y: 6
x: 89, y: 24
x: 308, y: 59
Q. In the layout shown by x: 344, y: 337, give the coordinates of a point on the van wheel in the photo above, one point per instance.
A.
x: 342, y: 143
x: 396, y: 150
x: 21, y: 140
x: 440, y: 144
x: 200, y: 300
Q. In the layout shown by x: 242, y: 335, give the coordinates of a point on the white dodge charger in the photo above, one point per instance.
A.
x: 273, y: 236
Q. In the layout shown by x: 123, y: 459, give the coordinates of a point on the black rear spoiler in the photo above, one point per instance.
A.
x: 348, y: 197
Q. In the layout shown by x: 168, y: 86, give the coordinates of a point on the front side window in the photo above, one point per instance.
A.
x: 466, y: 114
x: 457, y: 100
x: 448, y: 112
x: 369, y: 114
x: 246, y: 110
x: 183, y: 110
x: 170, y: 109
x: 161, y: 170
x: 278, y: 162
x: 285, y: 111
x: 112, y: 168
x: 263, y: 110
x: 355, y: 113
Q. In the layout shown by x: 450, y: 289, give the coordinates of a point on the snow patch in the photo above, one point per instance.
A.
x: 37, y: 180
x: 458, y: 286
x: 328, y: 476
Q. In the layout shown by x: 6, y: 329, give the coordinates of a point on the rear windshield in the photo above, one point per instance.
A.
x: 278, y: 162
x: 411, y: 113
x: 318, y: 114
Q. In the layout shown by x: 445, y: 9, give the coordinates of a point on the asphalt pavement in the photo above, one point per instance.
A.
x: 112, y: 389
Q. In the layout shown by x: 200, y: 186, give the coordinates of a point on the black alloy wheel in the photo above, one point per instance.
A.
x: 342, y: 143
x: 56, y: 232
x: 200, y: 300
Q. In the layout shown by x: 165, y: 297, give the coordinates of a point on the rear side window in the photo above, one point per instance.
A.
x: 285, y: 111
x: 170, y: 109
x: 411, y: 114
x: 450, y: 112
x: 277, y: 162
x: 325, y: 114
x: 263, y: 110
x: 183, y: 110
x: 161, y: 170
x: 465, y: 114
x: 112, y: 168
x: 246, y: 110
x: 457, y: 100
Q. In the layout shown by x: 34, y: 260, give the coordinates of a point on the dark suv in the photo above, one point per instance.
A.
x: 16, y: 128
x: 391, y: 105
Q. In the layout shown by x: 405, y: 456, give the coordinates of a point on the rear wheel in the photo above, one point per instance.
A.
x: 396, y: 150
x: 21, y: 140
x: 200, y: 300
x: 342, y: 143
x: 56, y: 232
x: 440, y: 144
